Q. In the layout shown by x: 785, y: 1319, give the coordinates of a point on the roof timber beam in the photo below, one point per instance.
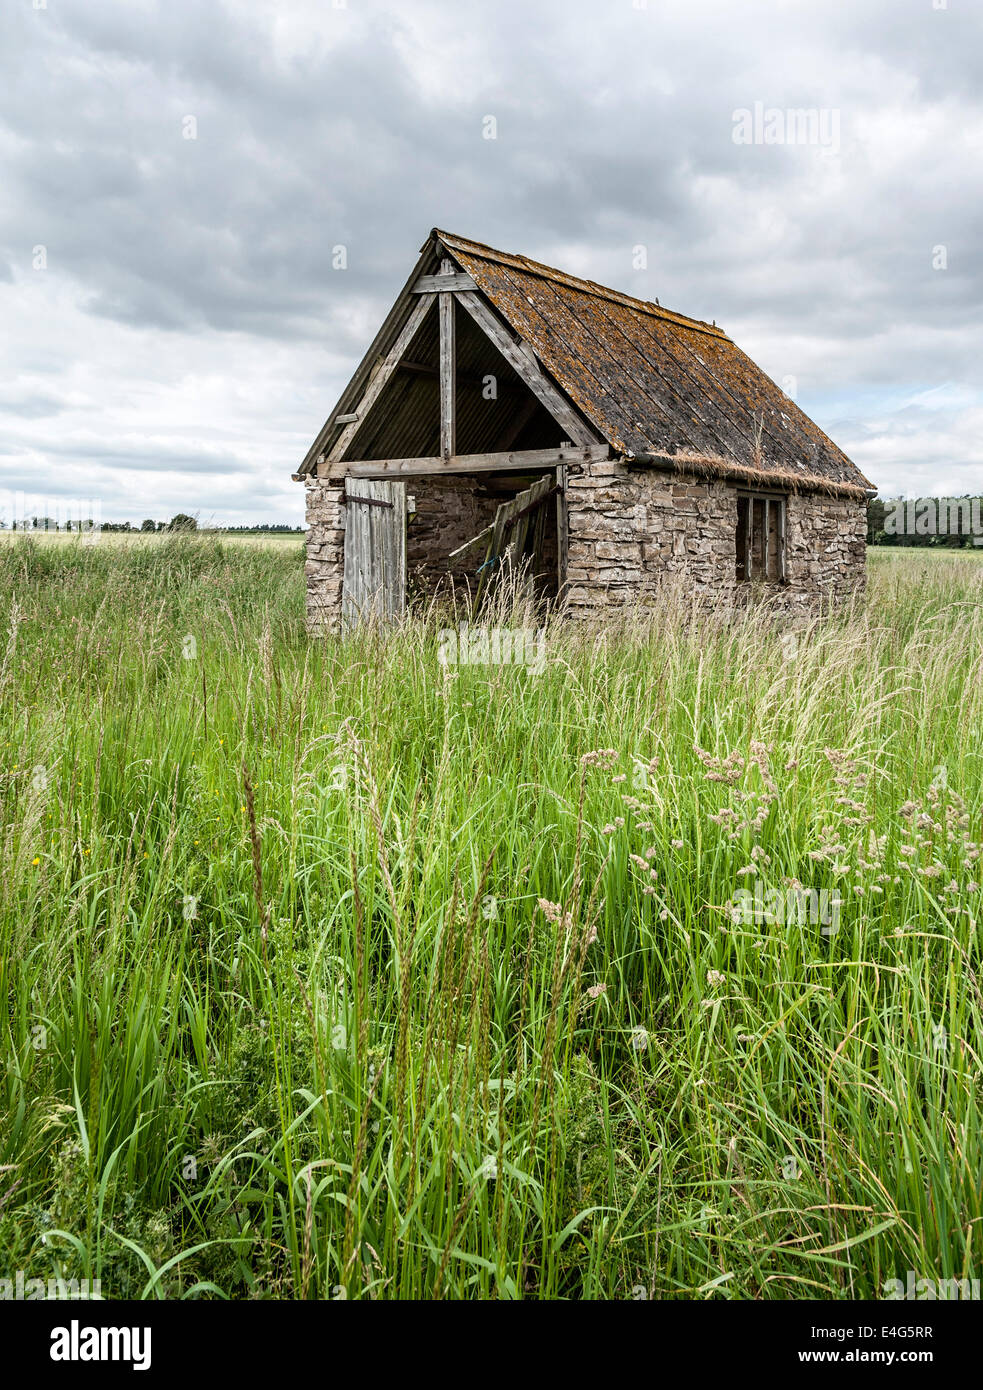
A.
x: 521, y: 460
x: 382, y: 374
x: 446, y: 280
x: 523, y: 361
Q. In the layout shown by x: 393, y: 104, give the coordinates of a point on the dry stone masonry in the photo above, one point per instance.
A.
x: 629, y: 530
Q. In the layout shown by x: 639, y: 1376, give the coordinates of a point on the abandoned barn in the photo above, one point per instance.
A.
x: 510, y: 415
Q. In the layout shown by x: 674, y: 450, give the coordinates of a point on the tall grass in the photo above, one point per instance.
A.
x: 332, y: 971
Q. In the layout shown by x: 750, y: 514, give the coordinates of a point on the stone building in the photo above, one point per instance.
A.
x: 508, y: 413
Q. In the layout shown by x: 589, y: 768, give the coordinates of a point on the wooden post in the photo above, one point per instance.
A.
x: 448, y: 384
x: 562, y: 525
x: 749, y: 540
x: 781, y: 541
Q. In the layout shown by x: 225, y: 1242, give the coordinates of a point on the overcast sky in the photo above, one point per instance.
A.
x: 175, y: 176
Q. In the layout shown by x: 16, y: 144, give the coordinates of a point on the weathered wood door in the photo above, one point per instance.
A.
x: 375, y: 551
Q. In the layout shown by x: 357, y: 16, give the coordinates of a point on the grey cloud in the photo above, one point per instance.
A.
x: 362, y: 127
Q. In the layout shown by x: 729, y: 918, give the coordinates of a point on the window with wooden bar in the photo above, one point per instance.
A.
x: 761, y: 537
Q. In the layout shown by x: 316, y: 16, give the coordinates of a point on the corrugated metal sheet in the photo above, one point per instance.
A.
x: 651, y: 380
x: 404, y: 422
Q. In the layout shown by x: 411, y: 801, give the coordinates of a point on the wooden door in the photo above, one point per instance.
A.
x: 375, y: 551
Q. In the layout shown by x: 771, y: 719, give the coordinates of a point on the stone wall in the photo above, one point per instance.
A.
x: 325, y: 566
x: 630, y: 532
x: 826, y: 548
x: 449, y: 512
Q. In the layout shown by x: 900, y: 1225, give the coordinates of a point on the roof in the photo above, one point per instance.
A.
x: 656, y: 385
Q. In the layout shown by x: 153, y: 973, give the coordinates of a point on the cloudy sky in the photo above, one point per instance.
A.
x: 175, y: 176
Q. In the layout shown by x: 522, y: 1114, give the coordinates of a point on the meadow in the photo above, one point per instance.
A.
x: 333, y: 971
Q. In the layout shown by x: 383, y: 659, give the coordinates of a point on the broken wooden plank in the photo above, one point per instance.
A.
x: 461, y: 549
x: 512, y: 521
x: 493, y: 554
x: 531, y: 506
x: 537, y: 549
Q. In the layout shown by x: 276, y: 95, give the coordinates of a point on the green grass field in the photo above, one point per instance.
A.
x: 330, y: 971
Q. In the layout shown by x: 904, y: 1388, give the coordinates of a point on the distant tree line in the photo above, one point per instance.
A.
x: 279, y: 526
x: 183, y: 522
x: 46, y: 523
x: 180, y: 522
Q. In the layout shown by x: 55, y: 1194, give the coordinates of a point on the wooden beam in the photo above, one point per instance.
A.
x: 451, y: 280
x: 523, y: 361
x: 448, y: 365
x: 388, y: 365
x: 517, y: 460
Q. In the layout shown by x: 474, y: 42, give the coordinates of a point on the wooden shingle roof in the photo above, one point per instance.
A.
x: 657, y: 386
x: 654, y: 382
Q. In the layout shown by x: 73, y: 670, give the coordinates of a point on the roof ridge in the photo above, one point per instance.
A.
x: 562, y: 277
